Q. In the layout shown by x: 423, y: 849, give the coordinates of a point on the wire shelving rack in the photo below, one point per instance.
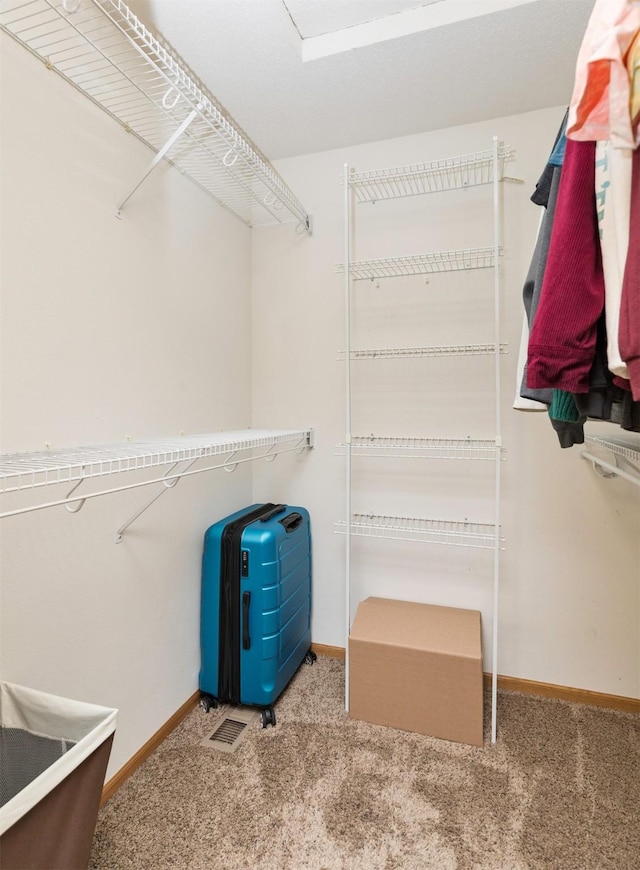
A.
x: 103, y: 50
x: 479, y: 168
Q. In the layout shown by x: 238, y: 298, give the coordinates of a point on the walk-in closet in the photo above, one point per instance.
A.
x: 373, y: 258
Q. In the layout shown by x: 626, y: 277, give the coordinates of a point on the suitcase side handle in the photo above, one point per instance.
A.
x: 290, y: 523
x: 275, y: 510
x: 246, y: 638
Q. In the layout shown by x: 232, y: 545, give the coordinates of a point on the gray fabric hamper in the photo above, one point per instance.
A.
x: 53, y: 759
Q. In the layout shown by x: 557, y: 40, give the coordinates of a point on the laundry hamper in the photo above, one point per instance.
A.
x: 53, y: 759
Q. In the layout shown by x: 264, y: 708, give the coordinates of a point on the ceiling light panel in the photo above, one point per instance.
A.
x: 317, y: 17
x: 401, y: 23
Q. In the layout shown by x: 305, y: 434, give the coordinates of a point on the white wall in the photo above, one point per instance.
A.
x: 570, y: 591
x: 138, y: 327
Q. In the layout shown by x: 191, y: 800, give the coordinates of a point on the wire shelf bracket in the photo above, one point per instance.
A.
x: 162, y: 153
x: 31, y: 471
x: 103, y: 50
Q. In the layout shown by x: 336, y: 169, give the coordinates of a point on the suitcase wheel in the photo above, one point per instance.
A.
x: 310, y: 658
x: 268, y: 717
x: 208, y: 702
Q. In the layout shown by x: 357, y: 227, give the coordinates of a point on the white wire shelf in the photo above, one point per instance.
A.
x: 626, y: 457
x: 103, y: 50
x: 420, y: 264
x: 432, y: 351
x: 627, y: 448
x: 388, y: 447
x: 22, y: 471
x: 466, y: 170
x: 418, y: 529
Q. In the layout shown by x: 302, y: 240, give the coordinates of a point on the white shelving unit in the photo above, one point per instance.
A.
x: 103, y: 50
x: 41, y: 469
x: 469, y: 170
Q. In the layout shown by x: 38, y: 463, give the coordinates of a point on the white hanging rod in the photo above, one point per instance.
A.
x: 21, y: 471
x: 466, y: 170
x: 418, y: 529
x: 424, y: 448
x: 420, y: 264
x: 105, y: 52
x: 626, y: 456
x: 434, y: 351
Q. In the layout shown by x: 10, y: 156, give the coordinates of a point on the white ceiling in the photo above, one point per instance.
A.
x: 248, y: 53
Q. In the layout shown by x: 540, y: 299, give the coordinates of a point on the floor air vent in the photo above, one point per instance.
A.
x: 230, y: 730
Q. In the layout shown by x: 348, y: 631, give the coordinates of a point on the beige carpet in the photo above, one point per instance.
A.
x: 559, y: 791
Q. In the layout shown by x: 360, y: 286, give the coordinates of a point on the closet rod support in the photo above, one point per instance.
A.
x: 606, y: 469
x: 229, y: 466
x: 74, y: 506
x: 159, y: 156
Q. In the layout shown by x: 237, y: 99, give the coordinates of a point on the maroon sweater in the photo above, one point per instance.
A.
x: 629, y: 329
x: 563, y: 337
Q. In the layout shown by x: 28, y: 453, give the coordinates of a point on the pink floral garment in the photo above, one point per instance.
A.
x: 599, y: 107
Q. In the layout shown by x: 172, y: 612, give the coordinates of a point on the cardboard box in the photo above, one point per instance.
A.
x: 417, y: 667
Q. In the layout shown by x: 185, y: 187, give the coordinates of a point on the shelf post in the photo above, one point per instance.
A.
x: 347, y: 335
x: 497, y: 230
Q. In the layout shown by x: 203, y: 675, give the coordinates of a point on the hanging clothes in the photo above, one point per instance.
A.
x: 546, y: 195
x: 613, y: 203
x: 633, y: 69
x: 629, y: 335
x: 563, y: 336
x: 599, y: 108
x: 584, y: 345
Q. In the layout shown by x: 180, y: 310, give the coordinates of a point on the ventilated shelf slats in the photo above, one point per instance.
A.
x: 388, y: 447
x: 20, y: 471
x: 419, y: 529
x: 420, y: 264
x: 466, y: 170
x: 625, y: 447
x: 625, y: 457
x: 431, y: 351
x: 104, y: 51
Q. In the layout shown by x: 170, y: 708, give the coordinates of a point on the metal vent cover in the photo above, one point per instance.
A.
x: 230, y: 730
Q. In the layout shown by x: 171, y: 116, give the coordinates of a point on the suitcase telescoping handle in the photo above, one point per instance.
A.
x: 275, y: 510
x: 246, y: 639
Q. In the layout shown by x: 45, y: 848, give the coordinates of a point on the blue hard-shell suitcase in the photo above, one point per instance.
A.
x: 256, y: 606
